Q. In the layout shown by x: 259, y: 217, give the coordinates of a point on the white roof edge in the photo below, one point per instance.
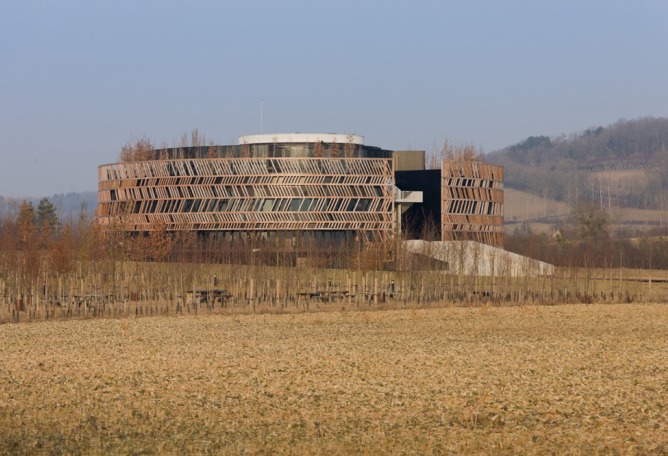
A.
x: 301, y: 138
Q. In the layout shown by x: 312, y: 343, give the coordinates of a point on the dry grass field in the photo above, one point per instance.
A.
x: 519, y: 206
x: 522, y: 206
x: 577, y: 379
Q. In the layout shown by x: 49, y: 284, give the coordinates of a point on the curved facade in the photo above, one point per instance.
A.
x: 472, y: 202
x: 254, y: 187
x: 323, y: 184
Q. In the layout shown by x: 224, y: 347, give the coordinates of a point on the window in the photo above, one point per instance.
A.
x: 305, y: 205
x: 294, y: 204
x: 363, y: 205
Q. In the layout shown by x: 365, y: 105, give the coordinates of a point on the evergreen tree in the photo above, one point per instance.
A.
x: 46, y: 215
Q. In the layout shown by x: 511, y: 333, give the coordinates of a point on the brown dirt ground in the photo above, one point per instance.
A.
x: 581, y: 379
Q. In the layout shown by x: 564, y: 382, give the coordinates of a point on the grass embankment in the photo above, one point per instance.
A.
x: 563, y: 379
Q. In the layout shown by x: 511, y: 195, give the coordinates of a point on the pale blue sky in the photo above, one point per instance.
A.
x: 78, y: 79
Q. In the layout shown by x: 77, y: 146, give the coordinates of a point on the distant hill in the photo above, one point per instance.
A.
x: 623, y: 165
x: 67, y: 204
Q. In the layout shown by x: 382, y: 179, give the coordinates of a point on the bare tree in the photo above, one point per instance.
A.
x: 318, y: 149
x: 349, y: 147
x: 160, y: 242
x: 61, y: 253
x: 334, y: 150
x: 245, y: 150
x: 139, y: 150
x: 26, y: 223
x: 467, y: 152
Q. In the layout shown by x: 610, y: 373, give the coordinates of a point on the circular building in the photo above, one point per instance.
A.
x: 325, y: 184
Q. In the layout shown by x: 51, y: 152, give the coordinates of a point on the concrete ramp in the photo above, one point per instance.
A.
x: 474, y: 258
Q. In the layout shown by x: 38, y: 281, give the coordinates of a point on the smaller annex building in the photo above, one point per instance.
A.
x: 462, y: 201
x: 325, y: 186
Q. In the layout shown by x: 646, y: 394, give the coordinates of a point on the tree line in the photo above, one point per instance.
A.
x: 584, y: 242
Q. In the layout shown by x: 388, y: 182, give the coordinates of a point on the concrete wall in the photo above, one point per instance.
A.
x: 474, y: 258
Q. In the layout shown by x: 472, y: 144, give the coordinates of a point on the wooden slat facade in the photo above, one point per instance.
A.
x: 249, y: 195
x: 472, y: 202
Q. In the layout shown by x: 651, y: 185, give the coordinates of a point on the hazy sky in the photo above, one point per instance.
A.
x: 78, y: 79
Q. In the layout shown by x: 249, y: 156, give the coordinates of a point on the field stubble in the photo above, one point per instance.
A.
x: 566, y: 379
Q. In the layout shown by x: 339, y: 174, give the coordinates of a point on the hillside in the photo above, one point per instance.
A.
x: 541, y: 214
x: 624, y: 165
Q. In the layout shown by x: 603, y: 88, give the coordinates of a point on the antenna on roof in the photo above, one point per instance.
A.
x: 260, y: 115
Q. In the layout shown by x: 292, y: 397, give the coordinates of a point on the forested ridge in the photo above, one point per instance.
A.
x: 589, y: 166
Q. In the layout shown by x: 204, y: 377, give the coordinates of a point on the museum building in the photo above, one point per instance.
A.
x: 328, y: 186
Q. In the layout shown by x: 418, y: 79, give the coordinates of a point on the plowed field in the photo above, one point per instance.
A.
x: 563, y: 379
